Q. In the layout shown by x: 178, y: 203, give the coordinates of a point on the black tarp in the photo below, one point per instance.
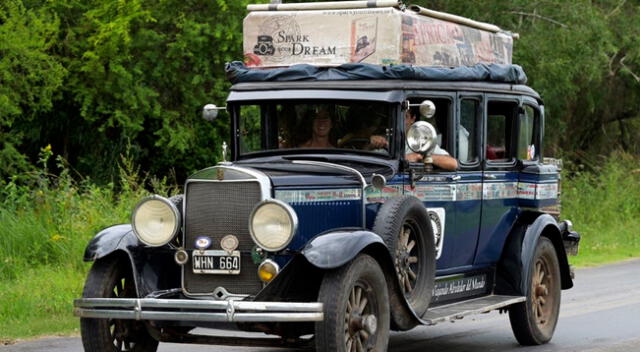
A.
x: 237, y: 72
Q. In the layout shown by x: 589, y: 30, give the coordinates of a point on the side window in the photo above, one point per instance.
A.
x: 467, y: 131
x: 500, y: 122
x: 526, y: 135
x: 440, y: 121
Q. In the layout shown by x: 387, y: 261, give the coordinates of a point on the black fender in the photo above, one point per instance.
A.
x: 153, y: 268
x: 334, y: 249
x: 514, y: 267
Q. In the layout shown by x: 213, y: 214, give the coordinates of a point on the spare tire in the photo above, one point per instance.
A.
x: 404, y: 225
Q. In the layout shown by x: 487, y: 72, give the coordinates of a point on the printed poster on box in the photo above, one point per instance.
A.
x: 378, y: 36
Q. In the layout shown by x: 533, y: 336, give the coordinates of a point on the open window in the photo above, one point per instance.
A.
x: 441, y: 121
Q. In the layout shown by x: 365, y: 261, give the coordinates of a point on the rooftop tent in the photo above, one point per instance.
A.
x: 374, y: 32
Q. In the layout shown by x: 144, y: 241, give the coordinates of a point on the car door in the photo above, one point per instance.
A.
x: 500, y: 176
x: 468, y: 202
x: 437, y: 188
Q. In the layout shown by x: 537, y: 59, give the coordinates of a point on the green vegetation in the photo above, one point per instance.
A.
x: 46, y: 224
x: 604, y: 205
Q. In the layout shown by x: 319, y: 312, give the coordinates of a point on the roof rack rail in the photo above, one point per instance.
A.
x: 328, y: 5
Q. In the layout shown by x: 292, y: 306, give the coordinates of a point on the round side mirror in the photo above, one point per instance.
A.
x: 210, y: 112
x: 427, y: 109
x: 422, y: 137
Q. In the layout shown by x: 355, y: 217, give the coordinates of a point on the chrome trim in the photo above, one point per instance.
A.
x: 265, y: 193
x: 343, y: 168
x: 293, y: 217
x: 174, y: 210
x: 197, y: 310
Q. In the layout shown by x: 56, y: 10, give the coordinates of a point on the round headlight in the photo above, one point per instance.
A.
x: 155, y: 220
x: 421, y: 137
x: 272, y: 224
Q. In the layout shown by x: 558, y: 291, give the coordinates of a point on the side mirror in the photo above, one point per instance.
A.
x: 427, y: 109
x: 210, y: 112
x: 422, y: 138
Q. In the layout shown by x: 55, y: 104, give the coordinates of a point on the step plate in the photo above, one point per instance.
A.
x: 459, y: 310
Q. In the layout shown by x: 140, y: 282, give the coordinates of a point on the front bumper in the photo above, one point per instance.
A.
x: 197, y: 310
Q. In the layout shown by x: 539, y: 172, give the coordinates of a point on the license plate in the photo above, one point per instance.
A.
x: 216, y: 262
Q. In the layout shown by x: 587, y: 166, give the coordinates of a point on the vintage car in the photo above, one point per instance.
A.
x: 335, y: 219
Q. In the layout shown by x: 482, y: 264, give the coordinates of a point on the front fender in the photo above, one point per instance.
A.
x: 153, y: 268
x: 109, y: 240
x: 334, y: 249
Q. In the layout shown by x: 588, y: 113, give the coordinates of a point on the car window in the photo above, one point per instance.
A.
x: 526, y: 136
x: 500, y: 119
x: 357, y: 125
x: 467, y: 131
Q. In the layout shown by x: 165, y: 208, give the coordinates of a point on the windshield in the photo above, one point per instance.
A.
x: 296, y: 125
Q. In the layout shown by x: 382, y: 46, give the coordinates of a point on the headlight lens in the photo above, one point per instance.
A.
x: 273, y: 224
x: 155, y: 220
x: 421, y: 137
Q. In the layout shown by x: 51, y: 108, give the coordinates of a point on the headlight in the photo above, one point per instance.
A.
x: 421, y: 137
x: 155, y: 220
x: 272, y: 224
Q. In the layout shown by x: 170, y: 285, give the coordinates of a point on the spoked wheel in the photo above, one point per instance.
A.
x: 404, y: 226
x: 356, y: 308
x: 534, y: 321
x: 108, y: 278
x: 407, y: 259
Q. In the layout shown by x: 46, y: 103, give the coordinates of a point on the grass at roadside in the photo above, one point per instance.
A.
x: 605, y: 208
x: 47, y: 223
x: 38, y: 302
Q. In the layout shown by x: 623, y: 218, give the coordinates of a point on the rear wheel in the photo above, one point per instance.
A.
x: 111, y: 278
x: 534, y: 321
x: 356, y: 308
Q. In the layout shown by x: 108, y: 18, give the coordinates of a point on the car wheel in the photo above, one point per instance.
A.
x: 404, y: 226
x: 356, y: 308
x: 534, y: 321
x: 111, y: 278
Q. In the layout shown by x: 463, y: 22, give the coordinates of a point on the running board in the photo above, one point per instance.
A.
x: 459, y: 310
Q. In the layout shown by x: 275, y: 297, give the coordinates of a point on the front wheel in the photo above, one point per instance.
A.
x: 534, y: 321
x: 111, y: 278
x: 356, y: 307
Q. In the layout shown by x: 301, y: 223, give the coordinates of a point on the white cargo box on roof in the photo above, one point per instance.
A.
x: 377, y: 32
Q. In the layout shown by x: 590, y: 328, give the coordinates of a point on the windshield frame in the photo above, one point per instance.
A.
x: 338, y: 97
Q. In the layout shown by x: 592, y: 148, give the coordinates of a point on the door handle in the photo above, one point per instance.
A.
x: 489, y: 177
x: 454, y: 178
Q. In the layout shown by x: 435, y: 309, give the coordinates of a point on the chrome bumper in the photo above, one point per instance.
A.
x: 197, y: 310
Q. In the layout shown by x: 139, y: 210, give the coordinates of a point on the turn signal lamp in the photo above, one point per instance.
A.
x: 267, y: 270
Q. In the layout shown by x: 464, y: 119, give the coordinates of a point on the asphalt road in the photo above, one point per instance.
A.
x: 601, y: 313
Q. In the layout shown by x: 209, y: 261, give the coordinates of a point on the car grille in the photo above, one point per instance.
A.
x: 217, y: 209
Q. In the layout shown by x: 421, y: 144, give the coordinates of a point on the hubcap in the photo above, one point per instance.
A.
x: 361, y: 322
x: 407, y: 259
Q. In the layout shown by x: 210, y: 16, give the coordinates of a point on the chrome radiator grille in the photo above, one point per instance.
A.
x: 217, y: 209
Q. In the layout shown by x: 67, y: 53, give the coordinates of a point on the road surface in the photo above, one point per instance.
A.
x: 601, y: 313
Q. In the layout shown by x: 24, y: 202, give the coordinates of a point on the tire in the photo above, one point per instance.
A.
x: 361, y: 283
x: 110, y: 278
x: 534, y: 321
x: 404, y: 226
